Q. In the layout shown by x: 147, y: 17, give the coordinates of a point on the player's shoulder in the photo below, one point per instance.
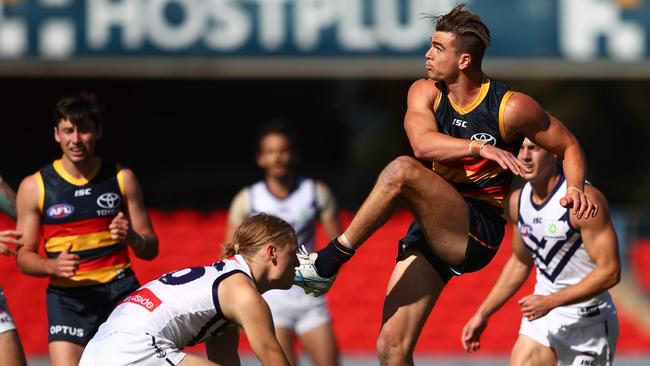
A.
x: 425, y: 86
x: 512, y: 206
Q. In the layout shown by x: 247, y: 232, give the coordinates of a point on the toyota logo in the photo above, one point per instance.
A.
x: 109, y: 200
x: 484, y: 137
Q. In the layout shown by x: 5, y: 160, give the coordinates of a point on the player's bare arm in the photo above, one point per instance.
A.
x: 600, y: 241
x: 524, y: 116
x: 7, y: 199
x: 134, y: 224
x: 429, y: 144
x: 237, y: 213
x: 29, y: 224
x: 512, y: 277
x: 241, y: 302
x: 328, y: 210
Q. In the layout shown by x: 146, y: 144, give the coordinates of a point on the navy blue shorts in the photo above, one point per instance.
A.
x: 75, y: 313
x: 486, y: 230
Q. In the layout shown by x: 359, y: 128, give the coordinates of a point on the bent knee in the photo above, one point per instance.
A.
x: 400, y: 171
x: 392, y: 349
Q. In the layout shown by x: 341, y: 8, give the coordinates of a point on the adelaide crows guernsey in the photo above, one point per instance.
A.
x: 560, y: 257
x: 483, y: 120
x: 78, y: 212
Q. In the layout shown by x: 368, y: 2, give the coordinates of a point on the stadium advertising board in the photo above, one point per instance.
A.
x: 173, y: 31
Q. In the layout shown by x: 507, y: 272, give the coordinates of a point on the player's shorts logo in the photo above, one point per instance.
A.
x: 109, y: 200
x: 60, y: 211
x: 482, y: 136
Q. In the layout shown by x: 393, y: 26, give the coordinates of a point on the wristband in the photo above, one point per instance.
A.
x: 574, y: 188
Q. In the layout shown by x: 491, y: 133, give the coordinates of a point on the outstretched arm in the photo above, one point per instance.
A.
x: 241, y: 303
x: 512, y: 276
x: 7, y: 199
x: 134, y: 225
x: 600, y: 241
x: 524, y: 116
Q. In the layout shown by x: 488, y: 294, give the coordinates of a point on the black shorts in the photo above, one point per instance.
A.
x: 75, y: 313
x: 486, y: 230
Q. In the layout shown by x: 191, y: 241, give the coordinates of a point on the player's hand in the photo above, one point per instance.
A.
x: 471, y: 336
x: 8, y: 238
x: 534, y: 306
x: 505, y: 159
x: 580, y: 204
x: 65, y: 264
x: 120, y: 228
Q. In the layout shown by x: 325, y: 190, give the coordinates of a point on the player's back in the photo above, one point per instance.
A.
x: 180, y: 306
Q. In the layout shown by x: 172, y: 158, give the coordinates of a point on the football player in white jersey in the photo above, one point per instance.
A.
x: 302, y: 202
x: 204, y: 304
x: 570, y: 318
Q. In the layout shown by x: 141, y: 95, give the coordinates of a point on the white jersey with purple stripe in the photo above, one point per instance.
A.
x: 180, y: 306
x: 557, y: 248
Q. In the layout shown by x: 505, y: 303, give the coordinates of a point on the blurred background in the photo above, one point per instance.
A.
x: 186, y: 84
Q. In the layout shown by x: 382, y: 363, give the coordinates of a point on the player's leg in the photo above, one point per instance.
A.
x: 412, y: 291
x: 436, y: 204
x: 286, y: 336
x: 320, y: 345
x: 65, y: 353
x: 528, y: 352
x: 11, y: 349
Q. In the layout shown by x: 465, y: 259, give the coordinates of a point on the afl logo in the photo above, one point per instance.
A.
x: 526, y: 230
x: 109, y: 200
x: 60, y: 211
x: 484, y: 137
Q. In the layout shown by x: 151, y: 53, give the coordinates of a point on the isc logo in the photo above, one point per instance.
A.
x: 459, y: 123
x: 60, y: 211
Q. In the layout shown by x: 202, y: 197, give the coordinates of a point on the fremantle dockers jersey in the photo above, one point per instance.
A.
x: 79, y: 211
x: 181, y: 306
x: 476, y: 177
x: 300, y: 209
x: 559, y: 254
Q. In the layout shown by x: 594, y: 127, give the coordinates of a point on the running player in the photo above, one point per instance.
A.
x: 88, y: 211
x: 302, y: 202
x: 204, y: 304
x: 468, y: 126
x: 570, y: 319
x: 10, y: 347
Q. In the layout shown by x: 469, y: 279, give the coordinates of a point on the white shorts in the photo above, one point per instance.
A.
x: 296, y: 310
x: 6, y: 321
x: 123, y: 349
x: 583, y: 341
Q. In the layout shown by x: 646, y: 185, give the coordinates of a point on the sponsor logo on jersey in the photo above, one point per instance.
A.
x: 459, y: 122
x: 482, y: 136
x: 67, y: 330
x: 83, y: 192
x: 60, y: 211
x: 145, y: 298
x: 109, y: 200
x: 525, y: 230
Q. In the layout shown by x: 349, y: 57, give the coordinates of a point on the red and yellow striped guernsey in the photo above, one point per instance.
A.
x: 476, y: 177
x: 78, y: 212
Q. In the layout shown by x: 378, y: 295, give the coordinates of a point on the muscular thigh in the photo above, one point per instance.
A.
x: 528, y: 352
x: 412, y: 291
x: 441, y: 211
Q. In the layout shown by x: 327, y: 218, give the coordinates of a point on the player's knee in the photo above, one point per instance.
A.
x: 399, y: 172
x: 392, y: 349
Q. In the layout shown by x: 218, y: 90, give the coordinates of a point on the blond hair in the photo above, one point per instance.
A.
x: 472, y: 34
x: 256, y: 231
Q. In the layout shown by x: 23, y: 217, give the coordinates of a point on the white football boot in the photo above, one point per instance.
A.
x: 307, y: 277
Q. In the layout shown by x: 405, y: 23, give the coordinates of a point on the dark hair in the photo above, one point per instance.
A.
x: 78, y: 108
x: 280, y: 127
x: 256, y: 231
x: 473, y: 35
